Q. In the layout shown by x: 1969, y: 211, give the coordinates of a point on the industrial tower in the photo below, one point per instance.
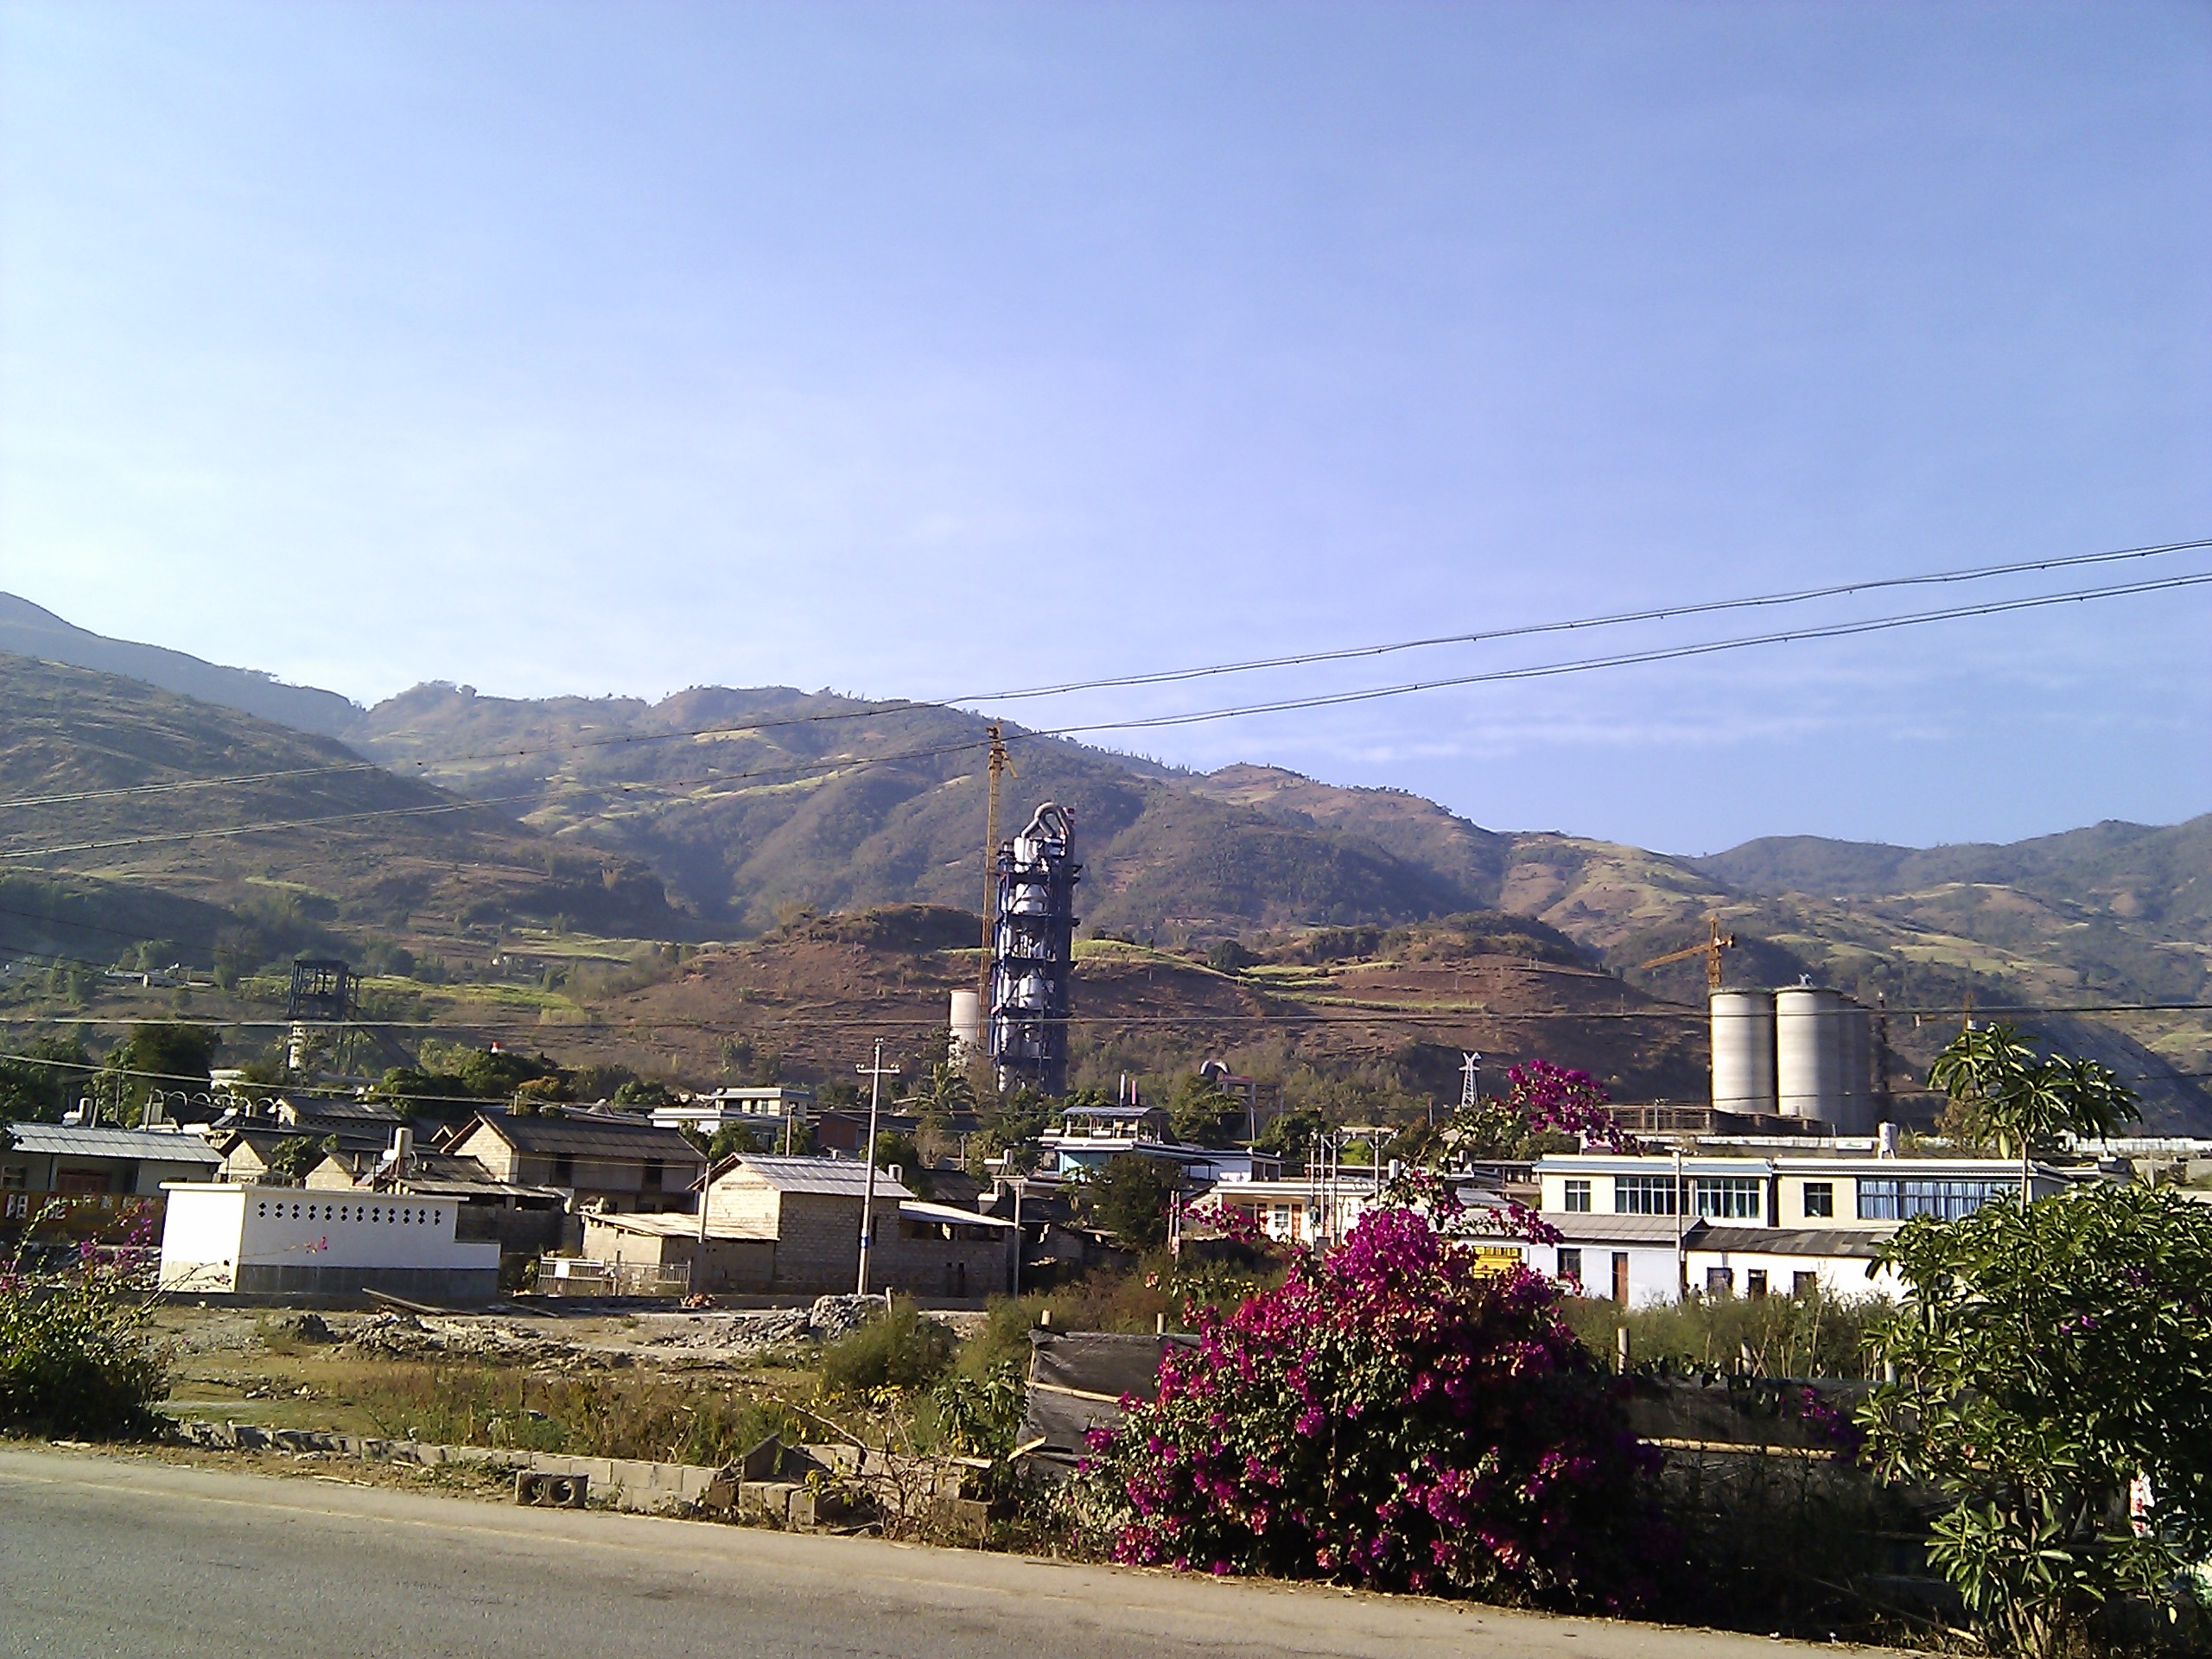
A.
x: 1032, y: 953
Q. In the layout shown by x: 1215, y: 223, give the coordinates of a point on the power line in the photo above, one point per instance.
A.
x: 1662, y: 614
x: 1148, y: 722
x: 1161, y: 677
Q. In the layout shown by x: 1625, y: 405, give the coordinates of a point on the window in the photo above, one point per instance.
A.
x: 655, y: 1169
x: 1575, y: 1196
x: 1755, y: 1282
x: 1719, y: 1282
x: 1729, y: 1198
x: 1644, y: 1195
x: 1804, y: 1284
x: 1570, y: 1262
x: 564, y: 1170
x: 1820, y: 1198
x: 15, y: 1178
x: 1900, y: 1197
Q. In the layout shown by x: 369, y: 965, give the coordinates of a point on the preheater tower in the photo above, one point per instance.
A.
x: 1032, y: 953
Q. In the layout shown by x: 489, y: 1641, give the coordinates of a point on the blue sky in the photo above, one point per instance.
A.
x: 924, y: 349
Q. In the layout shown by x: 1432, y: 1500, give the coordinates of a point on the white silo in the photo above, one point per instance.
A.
x: 1855, y: 1069
x: 966, y: 1023
x: 1808, y: 1052
x: 1743, y: 1050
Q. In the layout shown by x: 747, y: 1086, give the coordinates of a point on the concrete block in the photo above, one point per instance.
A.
x: 541, y: 1491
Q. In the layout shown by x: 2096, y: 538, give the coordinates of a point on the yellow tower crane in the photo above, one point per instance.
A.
x: 1710, y: 950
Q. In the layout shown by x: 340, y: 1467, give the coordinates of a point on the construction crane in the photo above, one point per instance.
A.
x: 1710, y: 950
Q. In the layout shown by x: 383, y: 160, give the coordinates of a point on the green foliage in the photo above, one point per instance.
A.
x: 1200, y: 1111
x: 39, y: 1093
x: 731, y: 1139
x: 1290, y: 1136
x: 2046, y: 1355
x: 293, y: 1157
x: 76, y: 1358
x: 2000, y: 1088
x: 899, y: 1349
x: 167, y: 1056
x: 979, y: 1416
x: 1128, y: 1197
x: 1229, y: 956
x: 1812, y: 1335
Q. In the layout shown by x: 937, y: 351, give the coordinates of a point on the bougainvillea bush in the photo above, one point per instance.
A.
x: 1390, y: 1417
x: 1545, y: 1108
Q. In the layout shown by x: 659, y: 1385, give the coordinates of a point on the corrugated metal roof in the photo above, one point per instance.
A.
x: 916, y: 1210
x: 1792, y: 1241
x: 155, y: 1146
x: 1623, y: 1229
x: 838, y: 1176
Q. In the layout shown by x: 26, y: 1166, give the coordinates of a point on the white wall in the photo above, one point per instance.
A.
x: 1651, y: 1274
x: 212, y: 1229
x: 1839, y: 1276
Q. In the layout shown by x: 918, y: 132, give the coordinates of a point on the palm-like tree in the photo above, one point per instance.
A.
x: 2026, y: 1100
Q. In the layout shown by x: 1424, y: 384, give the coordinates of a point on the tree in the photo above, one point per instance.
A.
x: 1128, y: 1197
x: 1392, y: 1417
x: 168, y: 1056
x: 293, y: 1157
x: 2000, y: 1087
x: 39, y: 1087
x: 2046, y: 1356
x: 1545, y: 1108
x: 1201, y: 1111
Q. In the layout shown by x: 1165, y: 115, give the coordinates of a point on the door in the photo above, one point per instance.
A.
x: 1620, y: 1277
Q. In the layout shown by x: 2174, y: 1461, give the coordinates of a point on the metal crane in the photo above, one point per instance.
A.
x: 1710, y: 950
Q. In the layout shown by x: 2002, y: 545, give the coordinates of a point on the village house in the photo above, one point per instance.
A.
x: 790, y: 1226
x: 615, y: 1164
x: 96, y: 1168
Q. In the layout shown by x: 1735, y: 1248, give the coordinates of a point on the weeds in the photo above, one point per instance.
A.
x: 1816, y: 1334
x: 897, y: 1349
x: 75, y: 1356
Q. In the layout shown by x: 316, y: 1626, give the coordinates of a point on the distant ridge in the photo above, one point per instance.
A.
x: 30, y: 630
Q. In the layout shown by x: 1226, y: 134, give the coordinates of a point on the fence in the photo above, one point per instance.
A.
x: 567, y: 1275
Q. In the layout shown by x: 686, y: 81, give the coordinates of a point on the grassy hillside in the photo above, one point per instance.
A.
x: 796, y: 799
x: 378, y: 855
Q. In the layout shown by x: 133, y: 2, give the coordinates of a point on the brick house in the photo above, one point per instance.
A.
x: 810, y: 1207
x: 618, y: 1163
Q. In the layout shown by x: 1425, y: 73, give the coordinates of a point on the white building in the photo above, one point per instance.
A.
x: 1643, y: 1228
x: 221, y: 1238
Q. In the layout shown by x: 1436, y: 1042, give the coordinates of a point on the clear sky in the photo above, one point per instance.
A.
x: 923, y: 350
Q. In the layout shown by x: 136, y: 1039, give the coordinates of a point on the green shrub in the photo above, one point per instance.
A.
x: 900, y: 1349
x: 75, y: 1356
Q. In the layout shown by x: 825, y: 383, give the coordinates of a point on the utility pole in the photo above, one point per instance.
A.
x: 1681, y: 1259
x: 875, y: 1074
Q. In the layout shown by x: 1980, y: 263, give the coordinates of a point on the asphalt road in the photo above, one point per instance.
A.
x: 115, y: 1555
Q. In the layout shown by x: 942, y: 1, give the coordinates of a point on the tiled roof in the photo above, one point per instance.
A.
x: 591, y: 1137
x: 838, y: 1176
x: 155, y: 1146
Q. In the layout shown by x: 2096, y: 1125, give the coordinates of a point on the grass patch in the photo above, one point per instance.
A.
x: 1813, y: 1335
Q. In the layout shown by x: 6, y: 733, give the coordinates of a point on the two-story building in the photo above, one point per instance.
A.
x: 1640, y: 1227
x: 612, y: 1162
x: 1090, y: 1137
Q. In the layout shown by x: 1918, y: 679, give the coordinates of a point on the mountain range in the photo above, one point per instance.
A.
x: 725, y: 813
